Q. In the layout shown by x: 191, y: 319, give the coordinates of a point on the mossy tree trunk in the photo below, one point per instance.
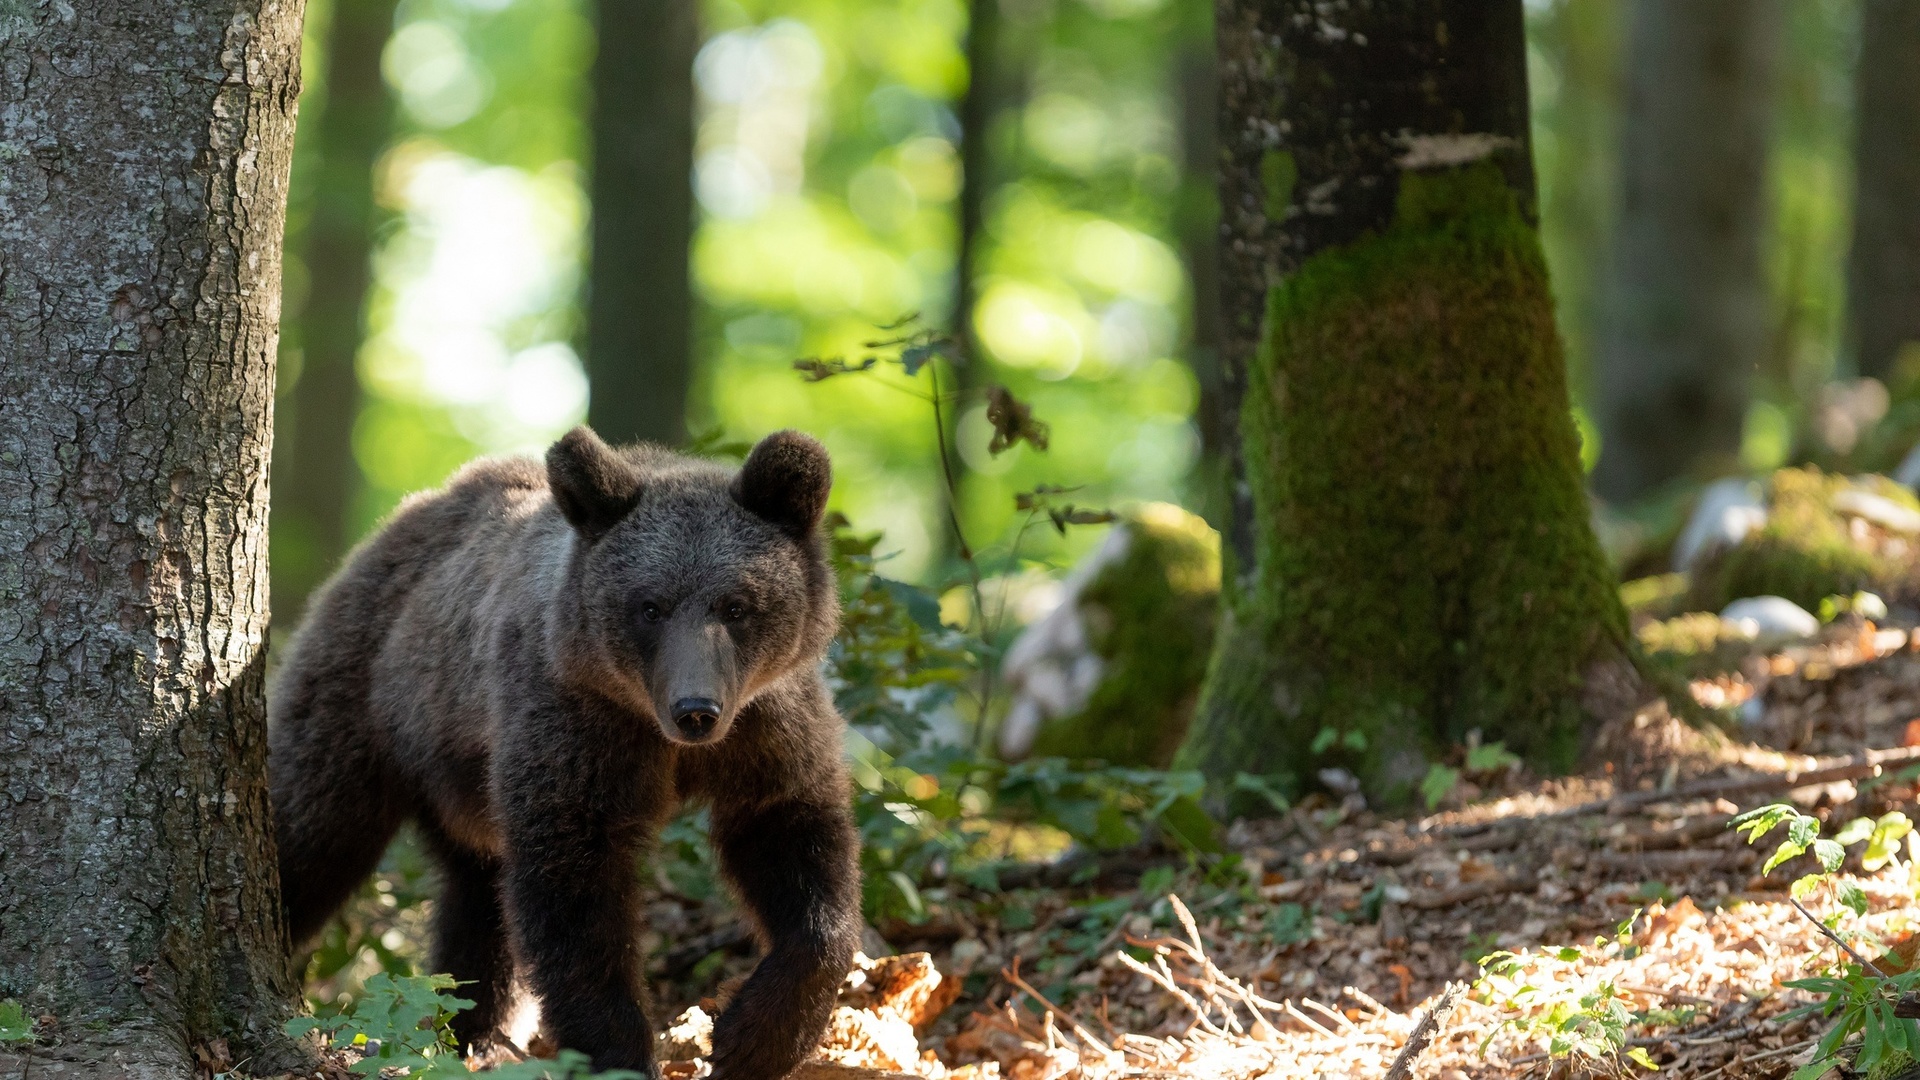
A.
x: 640, y: 286
x: 1416, y: 560
x: 1686, y: 295
x: 141, y: 210
x: 313, y: 523
x: 1883, y: 268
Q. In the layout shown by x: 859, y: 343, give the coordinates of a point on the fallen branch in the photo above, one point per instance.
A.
x: 1460, y: 894
x: 1423, y: 1032
x: 1867, y: 763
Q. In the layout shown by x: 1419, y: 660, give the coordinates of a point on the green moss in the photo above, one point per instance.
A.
x: 1425, y: 564
x: 1660, y: 596
x: 1150, y: 616
x: 1806, y: 551
x: 1278, y: 174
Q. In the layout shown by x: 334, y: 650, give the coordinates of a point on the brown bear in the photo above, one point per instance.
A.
x: 539, y: 666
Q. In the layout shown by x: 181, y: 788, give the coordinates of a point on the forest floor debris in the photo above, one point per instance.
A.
x: 1321, y: 940
x: 1335, y: 931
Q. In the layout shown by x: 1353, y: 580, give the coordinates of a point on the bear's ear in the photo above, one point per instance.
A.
x: 785, y: 481
x: 592, y: 484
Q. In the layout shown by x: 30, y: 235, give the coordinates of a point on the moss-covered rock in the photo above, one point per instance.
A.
x: 1424, y: 564
x: 1115, y: 673
x: 1824, y: 535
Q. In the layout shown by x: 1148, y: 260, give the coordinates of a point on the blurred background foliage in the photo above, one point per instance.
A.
x: 827, y: 174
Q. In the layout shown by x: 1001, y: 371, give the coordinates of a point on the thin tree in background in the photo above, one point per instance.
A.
x: 318, y: 478
x: 140, y: 239
x: 1417, y: 562
x: 1197, y: 221
x: 639, y: 354
x: 1687, y: 299
x: 977, y: 110
x: 1883, y: 267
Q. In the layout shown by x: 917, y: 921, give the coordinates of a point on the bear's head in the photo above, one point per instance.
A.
x: 697, y: 587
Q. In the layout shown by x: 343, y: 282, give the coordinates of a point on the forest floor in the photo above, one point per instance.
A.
x: 1340, y: 929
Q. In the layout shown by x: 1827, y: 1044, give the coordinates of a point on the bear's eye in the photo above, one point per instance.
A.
x: 733, y: 611
x: 650, y: 611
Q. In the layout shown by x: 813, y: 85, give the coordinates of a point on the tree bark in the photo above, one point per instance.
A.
x: 142, y: 198
x: 1687, y: 292
x: 639, y: 289
x: 1416, y: 560
x: 312, y: 518
x: 1883, y: 268
x: 1198, y: 223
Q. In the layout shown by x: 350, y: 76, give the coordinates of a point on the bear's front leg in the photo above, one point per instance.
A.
x: 796, y: 867
x: 571, y: 898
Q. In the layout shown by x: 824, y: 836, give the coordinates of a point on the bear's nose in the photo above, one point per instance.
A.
x: 696, y: 716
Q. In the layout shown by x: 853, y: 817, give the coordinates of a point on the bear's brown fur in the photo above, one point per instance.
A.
x: 538, y: 666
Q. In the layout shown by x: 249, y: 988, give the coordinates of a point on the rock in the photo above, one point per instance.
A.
x: 1770, y: 619
x: 1824, y: 535
x: 1728, y: 510
x: 1113, y: 671
x: 1877, y: 509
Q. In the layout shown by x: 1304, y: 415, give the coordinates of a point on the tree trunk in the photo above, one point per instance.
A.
x: 1198, y: 223
x: 1417, y: 561
x: 639, y: 288
x: 977, y: 109
x: 1883, y: 268
x: 141, y: 209
x: 1687, y: 292
x: 312, y: 517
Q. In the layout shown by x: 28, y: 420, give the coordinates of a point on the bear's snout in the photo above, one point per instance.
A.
x: 696, y: 717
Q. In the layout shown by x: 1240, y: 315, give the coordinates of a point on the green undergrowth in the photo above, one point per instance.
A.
x: 400, y: 1026
x: 1426, y: 567
x: 1857, y: 996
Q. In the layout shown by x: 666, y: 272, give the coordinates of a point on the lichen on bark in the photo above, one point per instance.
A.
x: 1424, y: 564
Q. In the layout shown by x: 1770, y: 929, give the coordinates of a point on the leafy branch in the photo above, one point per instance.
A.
x: 1862, y: 996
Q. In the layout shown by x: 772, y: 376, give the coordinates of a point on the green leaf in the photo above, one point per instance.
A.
x: 15, y: 1025
x: 1324, y: 740
x: 1491, y: 757
x: 1192, y: 826
x: 1804, y: 887
x: 1266, y: 787
x: 908, y: 892
x: 1440, y: 781
x: 1884, y: 844
x: 1831, y: 855
x: 1854, y: 831
x: 1355, y: 740
x: 1758, y: 823
x: 1816, y: 1068
x: 1851, y: 897
x: 1787, y: 850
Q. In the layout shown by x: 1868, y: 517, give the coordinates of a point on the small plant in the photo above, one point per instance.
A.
x: 1578, y: 1017
x: 1860, y: 996
x: 15, y: 1024
x: 401, y: 1024
x: 912, y: 347
x: 1483, y: 760
x: 397, y: 1023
